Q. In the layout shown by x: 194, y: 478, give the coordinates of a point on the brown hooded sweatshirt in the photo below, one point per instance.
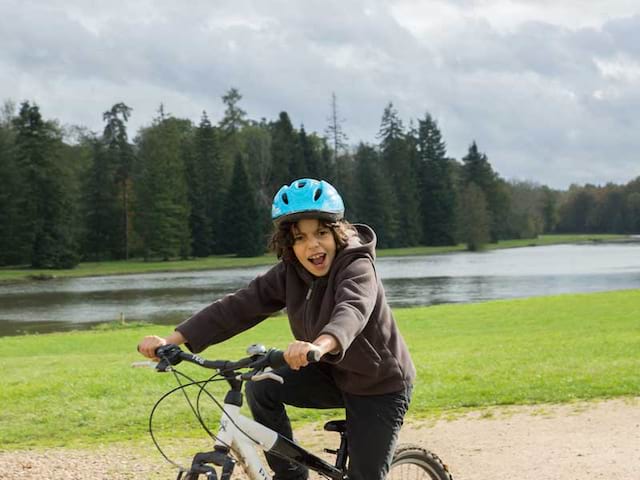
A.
x: 348, y: 303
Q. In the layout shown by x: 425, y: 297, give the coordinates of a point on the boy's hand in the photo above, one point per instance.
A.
x: 148, y: 345
x: 296, y: 354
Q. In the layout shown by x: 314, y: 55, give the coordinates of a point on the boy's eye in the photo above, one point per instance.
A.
x: 297, y: 238
x: 324, y: 232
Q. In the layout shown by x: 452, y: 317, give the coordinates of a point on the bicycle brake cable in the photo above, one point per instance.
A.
x: 195, y: 410
x: 221, y: 407
x: 198, y: 416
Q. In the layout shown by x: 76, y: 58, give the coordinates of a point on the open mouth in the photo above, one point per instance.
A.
x: 318, y: 260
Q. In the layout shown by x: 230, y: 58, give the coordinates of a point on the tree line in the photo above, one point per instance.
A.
x: 179, y: 190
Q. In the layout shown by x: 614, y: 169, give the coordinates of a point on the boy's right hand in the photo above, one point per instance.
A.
x: 148, y: 345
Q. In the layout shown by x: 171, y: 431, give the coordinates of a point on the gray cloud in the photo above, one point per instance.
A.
x: 550, y: 96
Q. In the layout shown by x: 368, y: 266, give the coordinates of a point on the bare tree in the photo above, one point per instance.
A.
x: 336, y: 136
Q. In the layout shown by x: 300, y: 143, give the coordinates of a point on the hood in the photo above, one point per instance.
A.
x: 362, y: 245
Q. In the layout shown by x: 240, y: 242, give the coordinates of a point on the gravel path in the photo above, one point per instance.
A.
x: 592, y: 441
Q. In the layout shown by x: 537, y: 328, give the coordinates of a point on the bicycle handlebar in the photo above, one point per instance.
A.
x: 171, y: 354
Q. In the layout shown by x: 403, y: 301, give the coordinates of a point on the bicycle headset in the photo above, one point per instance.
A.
x: 307, y: 198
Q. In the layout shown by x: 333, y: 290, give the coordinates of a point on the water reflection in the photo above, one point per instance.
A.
x: 409, y: 281
x: 410, y: 292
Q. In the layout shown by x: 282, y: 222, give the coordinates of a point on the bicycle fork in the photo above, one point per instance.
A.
x: 220, y: 457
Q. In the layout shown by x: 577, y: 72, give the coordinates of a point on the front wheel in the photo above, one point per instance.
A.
x: 415, y: 463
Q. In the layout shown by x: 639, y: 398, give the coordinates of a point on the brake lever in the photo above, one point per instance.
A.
x: 163, y: 366
x: 267, y: 375
x: 257, y: 375
x: 144, y: 364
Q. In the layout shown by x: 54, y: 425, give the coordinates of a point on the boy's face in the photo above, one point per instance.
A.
x: 314, y: 246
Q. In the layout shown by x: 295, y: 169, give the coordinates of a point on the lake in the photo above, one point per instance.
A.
x: 74, y: 303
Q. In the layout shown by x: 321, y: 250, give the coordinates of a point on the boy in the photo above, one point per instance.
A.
x: 336, y: 305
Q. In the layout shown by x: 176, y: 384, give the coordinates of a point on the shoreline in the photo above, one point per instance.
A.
x: 9, y: 275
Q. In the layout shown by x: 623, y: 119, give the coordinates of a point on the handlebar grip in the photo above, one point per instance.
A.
x: 275, y: 358
x: 168, y: 348
x: 169, y: 354
x: 313, y: 356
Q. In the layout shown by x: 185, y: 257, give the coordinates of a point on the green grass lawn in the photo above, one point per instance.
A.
x: 10, y: 274
x: 77, y: 389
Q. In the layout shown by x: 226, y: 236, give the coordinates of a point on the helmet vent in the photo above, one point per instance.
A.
x: 317, y: 194
x: 301, y: 184
x: 285, y: 199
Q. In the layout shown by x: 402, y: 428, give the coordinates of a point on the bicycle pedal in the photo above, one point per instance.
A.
x: 328, y: 450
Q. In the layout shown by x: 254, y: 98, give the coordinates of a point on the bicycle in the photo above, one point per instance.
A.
x: 239, y: 437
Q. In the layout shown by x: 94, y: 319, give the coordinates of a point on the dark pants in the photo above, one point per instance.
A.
x: 373, y: 421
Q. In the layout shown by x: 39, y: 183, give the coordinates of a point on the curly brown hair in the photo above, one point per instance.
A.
x: 282, y: 240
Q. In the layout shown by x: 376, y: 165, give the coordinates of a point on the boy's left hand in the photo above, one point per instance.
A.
x: 296, y: 354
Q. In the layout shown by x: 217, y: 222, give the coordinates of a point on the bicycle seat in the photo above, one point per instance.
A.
x: 336, y: 426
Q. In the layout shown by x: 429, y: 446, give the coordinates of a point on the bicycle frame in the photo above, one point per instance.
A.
x: 243, y: 435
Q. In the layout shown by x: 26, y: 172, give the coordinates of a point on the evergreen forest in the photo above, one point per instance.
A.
x: 179, y: 190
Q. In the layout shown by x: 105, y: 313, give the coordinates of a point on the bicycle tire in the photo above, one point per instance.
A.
x: 414, y: 462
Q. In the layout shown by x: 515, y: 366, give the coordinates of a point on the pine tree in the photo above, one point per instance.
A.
x: 241, y: 216
x: 327, y: 164
x: 298, y: 165
x: 199, y: 225
x: 121, y: 156
x: 256, y: 140
x: 437, y: 192
x: 162, y: 206
x: 15, y: 238
x: 107, y: 189
x: 234, y: 117
x: 49, y: 209
x: 205, y: 188
x: 477, y: 169
x: 310, y: 155
x: 283, y: 152
x: 372, y: 193
x: 101, y: 207
x: 345, y: 180
x: 397, y: 165
x: 228, y: 132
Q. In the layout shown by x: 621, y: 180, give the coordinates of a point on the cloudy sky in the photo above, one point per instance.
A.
x: 549, y: 89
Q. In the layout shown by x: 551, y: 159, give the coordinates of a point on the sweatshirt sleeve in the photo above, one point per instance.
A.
x: 355, y: 296
x: 236, y: 312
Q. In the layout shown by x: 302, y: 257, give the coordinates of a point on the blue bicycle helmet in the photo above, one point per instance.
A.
x: 307, y: 198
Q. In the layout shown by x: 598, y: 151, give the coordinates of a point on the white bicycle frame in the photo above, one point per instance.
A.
x: 244, y: 435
